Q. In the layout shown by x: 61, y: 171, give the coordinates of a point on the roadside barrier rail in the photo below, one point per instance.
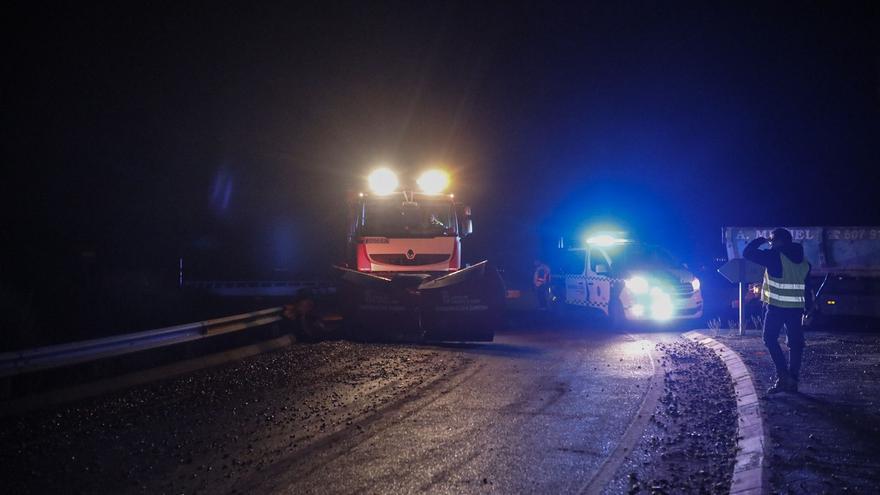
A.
x: 261, y: 288
x: 55, y: 356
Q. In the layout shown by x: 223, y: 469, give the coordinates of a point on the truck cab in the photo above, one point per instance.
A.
x: 403, y: 277
x: 406, y: 232
x: 630, y: 281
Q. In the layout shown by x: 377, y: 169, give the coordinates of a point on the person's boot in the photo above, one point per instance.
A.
x: 792, y: 385
x: 782, y: 384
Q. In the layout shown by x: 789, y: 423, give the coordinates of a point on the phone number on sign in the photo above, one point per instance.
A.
x: 853, y: 234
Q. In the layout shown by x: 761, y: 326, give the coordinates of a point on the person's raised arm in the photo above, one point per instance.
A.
x: 759, y: 256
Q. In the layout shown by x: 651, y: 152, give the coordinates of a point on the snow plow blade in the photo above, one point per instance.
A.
x: 466, y: 305
x: 379, y: 308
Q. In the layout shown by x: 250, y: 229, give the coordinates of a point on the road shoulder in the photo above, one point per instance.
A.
x: 826, y: 438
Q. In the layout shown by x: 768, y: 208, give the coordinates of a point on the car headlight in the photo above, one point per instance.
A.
x: 638, y: 310
x: 695, y: 283
x: 661, y: 305
x: 637, y: 284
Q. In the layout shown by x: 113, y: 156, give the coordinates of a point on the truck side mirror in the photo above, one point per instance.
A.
x: 601, y: 268
x: 467, y: 223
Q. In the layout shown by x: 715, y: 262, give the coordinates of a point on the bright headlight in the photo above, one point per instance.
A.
x: 662, y: 310
x: 433, y: 181
x: 638, y: 310
x: 383, y: 181
x: 695, y: 283
x: 638, y: 285
x: 661, y: 305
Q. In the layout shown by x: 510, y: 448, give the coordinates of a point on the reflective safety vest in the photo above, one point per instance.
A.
x: 786, y: 291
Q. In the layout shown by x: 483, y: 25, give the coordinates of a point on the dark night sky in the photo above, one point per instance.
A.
x: 232, y: 135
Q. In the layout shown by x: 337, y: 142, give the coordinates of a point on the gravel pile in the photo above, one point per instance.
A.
x: 689, y: 445
x: 203, y: 431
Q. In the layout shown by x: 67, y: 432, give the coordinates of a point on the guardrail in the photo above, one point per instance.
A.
x: 44, y: 358
x: 261, y: 288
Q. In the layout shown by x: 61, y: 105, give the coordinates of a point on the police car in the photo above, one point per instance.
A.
x: 628, y: 281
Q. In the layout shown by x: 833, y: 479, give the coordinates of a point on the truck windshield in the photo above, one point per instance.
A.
x: 391, y: 217
x: 638, y: 256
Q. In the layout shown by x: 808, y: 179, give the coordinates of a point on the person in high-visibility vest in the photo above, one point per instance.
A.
x: 786, y: 299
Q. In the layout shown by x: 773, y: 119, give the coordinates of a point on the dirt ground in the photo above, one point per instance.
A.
x: 826, y: 438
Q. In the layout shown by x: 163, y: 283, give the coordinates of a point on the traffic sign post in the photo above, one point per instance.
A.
x: 740, y: 271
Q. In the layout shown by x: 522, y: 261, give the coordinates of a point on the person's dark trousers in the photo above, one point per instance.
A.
x: 541, y: 294
x: 774, y: 318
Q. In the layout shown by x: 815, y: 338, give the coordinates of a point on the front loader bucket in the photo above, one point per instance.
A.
x: 467, y: 305
x: 379, y: 308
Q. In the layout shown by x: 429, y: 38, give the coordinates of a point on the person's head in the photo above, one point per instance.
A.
x: 779, y: 238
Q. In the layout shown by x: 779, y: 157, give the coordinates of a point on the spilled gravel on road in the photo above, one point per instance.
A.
x: 203, y: 431
x: 689, y: 445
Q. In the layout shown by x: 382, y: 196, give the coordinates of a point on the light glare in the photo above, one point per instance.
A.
x: 383, y: 181
x: 638, y: 310
x: 661, y: 305
x: 605, y: 240
x: 433, y: 181
x: 638, y: 285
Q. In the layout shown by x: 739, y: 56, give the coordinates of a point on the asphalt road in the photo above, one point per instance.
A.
x: 536, y: 411
x: 540, y: 410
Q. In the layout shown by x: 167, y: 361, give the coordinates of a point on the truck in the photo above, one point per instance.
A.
x: 845, y: 267
x: 403, y: 277
x: 628, y: 281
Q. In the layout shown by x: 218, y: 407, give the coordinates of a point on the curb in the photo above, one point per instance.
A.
x: 749, y: 472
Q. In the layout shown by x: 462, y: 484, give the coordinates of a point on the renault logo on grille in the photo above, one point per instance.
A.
x: 410, y: 254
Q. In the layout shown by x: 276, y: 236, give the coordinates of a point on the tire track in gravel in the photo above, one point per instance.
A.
x: 333, y: 446
x: 515, y: 432
x: 205, y: 430
x: 523, y: 420
x: 322, y: 412
x: 149, y: 399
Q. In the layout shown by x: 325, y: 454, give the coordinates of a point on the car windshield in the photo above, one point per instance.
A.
x: 393, y: 217
x: 637, y: 256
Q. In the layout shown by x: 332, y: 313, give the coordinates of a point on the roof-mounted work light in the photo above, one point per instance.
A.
x: 433, y: 181
x: 383, y: 181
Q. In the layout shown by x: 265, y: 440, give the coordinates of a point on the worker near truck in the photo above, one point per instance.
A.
x: 786, y: 300
x: 541, y: 281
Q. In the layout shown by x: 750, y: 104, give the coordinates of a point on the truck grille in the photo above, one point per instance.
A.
x: 682, y: 290
x: 402, y: 260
